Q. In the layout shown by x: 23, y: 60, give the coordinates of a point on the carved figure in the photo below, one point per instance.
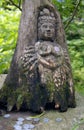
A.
x: 51, y: 63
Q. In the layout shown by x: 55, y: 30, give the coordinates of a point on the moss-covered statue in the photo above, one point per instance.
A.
x: 44, y: 69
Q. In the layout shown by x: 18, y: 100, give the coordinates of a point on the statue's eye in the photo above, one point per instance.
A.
x: 51, y: 27
x: 44, y: 26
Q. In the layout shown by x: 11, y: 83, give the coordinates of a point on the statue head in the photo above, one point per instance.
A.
x: 46, y: 25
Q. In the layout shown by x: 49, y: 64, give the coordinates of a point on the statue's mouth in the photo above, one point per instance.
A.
x: 49, y: 34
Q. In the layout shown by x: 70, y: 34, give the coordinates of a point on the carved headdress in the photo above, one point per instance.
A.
x: 45, y: 16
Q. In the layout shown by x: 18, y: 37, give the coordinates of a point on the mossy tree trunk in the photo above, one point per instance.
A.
x: 15, y: 92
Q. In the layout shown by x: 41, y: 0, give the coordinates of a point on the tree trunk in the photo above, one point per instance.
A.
x: 20, y: 90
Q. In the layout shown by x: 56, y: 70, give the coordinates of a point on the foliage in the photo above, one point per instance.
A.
x: 7, y: 4
x: 75, y: 36
x: 8, y: 34
x: 69, y: 9
x: 66, y: 7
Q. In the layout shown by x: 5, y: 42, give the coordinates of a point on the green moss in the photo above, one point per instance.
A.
x: 5, y: 92
x: 23, y: 95
x: 51, y: 89
x: 35, y: 98
x: 15, y: 96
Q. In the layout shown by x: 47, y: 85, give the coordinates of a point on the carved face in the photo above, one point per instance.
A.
x: 47, y: 31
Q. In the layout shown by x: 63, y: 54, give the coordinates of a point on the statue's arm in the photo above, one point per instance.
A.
x: 28, y: 60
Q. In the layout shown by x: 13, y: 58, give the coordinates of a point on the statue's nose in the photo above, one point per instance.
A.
x: 48, y: 29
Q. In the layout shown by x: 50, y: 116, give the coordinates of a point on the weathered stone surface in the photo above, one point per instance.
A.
x: 70, y: 119
x: 40, y: 73
x: 45, y: 67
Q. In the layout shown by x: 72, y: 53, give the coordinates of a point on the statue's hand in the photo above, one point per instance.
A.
x: 48, y: 63
x: 43, y: 48
x: 29, y: 59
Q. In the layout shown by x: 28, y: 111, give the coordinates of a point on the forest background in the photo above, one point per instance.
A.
x: 72, y: 14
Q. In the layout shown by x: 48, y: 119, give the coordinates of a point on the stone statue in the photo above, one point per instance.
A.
x: 40, y: 73
x: 47, y: 66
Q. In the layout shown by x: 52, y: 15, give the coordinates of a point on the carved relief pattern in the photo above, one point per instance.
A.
x: 47, y: 56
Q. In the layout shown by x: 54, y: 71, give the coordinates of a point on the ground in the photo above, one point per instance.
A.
x: 73, y: 119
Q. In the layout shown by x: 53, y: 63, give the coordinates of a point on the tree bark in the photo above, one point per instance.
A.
x: 14, y: 91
